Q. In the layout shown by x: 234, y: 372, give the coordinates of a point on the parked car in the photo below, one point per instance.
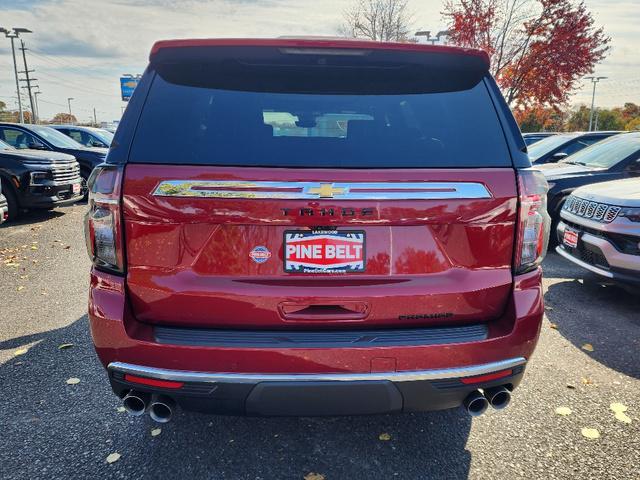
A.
x: 39, y: 137
x: 559, y: 147
x: 33, y: 179
x: 600, y: 230
x: 301, y: 242
x: 4, y: 208
x: 534, y: 137
x: 88, y: 136
x: 615, y: 158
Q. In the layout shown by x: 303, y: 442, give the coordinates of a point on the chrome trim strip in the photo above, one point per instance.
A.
x: 584, y: 265
x: 406, y: 376
x: 322, y: 190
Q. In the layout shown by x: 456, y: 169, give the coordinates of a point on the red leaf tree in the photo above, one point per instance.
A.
x: 538, y: 48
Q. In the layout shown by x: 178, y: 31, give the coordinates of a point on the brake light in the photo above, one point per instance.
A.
x: 532, y: 237
x: 103, y: 225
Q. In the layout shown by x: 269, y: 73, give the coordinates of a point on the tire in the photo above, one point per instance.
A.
x: 84, y: 176
x: 12, y: 202
x: 555, y: 220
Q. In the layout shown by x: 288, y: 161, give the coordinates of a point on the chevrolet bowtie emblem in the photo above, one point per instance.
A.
x: 327, y: 190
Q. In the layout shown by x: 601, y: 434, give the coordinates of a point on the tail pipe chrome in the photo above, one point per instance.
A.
x: 135, y: 403
x: 498, y: 397
x: 476, y: 404
x: 161, y: 408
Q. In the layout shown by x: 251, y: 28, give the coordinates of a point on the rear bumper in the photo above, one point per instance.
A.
x: 317, y: 394
x: 307, y: 380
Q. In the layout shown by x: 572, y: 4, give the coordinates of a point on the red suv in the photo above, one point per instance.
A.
x: 315, y: 227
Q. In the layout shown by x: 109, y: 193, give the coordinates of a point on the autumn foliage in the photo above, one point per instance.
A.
x: 539, y: 49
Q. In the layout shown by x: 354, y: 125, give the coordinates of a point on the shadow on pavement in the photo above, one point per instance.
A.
x: 61, y: 431
x: 32, y: 216
x: 605, y: 316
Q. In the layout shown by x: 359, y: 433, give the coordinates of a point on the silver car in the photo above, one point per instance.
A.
x: 600, y: 229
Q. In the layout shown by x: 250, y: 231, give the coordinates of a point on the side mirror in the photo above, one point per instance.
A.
x: 556, y: 157
x: 36, y: 146
x: 634, y: 167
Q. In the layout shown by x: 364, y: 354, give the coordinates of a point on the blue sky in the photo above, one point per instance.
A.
x: 79, y: 48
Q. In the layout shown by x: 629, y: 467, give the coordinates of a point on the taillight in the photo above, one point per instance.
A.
x: 532, y: 237
x: 103, y: 227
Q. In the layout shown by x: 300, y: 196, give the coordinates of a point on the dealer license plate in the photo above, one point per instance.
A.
x: 326, y: 251
x: 570, y: 238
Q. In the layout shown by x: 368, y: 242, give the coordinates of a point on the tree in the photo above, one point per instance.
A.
x: 380, y: 20
x: 539, y: 49
x: 633, y: 125
x: 64, y: 118
x: 540, y: 119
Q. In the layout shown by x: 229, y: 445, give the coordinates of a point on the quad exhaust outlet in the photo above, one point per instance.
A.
x: 477, y: 402
x: 161, y: 408
x: 135, y: 403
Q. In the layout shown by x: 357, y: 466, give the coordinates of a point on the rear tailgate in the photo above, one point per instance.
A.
x: 269, y: 188
x: 190, y: 259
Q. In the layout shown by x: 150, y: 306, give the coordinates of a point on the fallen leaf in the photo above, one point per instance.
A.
x: 67, y: 247
x: 22, y: 351
x: 590, y: 433
x: 313, y: 476
x: 553, y: 325
x: 121, y: 409
x: 618, y: 407
x: 622, y: 417
x: 64, y: 346
x: 587, y: 381
x: 20, y: 288
x: 73, y: 381
x: 155, y: 432
x: 385, y: 437
x: 113, y: 457
x: 34, y: 247
x: 572, y: 387
x: 587, y: 347
x: 564, y: 411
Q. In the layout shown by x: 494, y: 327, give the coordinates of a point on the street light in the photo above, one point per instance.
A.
x: 14, y: 33
x: 595, y: 81
x: 69, y: 101
x: 427, y: 34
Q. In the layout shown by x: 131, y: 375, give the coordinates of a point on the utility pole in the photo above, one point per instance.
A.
x: 95, y: 119
x: 595, y: 81
x: 70, y: 115
x: 35, y: 98
x: 27, y: 79
x: 13, y: 34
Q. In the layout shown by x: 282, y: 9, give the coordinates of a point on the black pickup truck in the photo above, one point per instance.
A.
x: 33, y: 179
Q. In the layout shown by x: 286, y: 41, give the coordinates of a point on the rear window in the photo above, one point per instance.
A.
x: 186, y: 120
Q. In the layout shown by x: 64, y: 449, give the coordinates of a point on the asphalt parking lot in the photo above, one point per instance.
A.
x: 588, y: 358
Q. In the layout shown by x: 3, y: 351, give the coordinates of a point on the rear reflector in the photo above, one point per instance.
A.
x: 486, y: 378
x: 152, y: 382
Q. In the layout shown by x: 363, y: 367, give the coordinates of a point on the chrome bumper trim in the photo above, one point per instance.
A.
x: 406, y: 376
x: 584, y: 265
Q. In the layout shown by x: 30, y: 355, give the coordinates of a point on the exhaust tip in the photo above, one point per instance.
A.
x: 161, y: 409
x: 498, y: 397
x: 135, y: 403
x: 476, y: 404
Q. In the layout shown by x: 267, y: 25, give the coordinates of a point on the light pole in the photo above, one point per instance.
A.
x: 13, y: 34
x: 427, y: 34
x: 69, y: 101
x: 595, y: 81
